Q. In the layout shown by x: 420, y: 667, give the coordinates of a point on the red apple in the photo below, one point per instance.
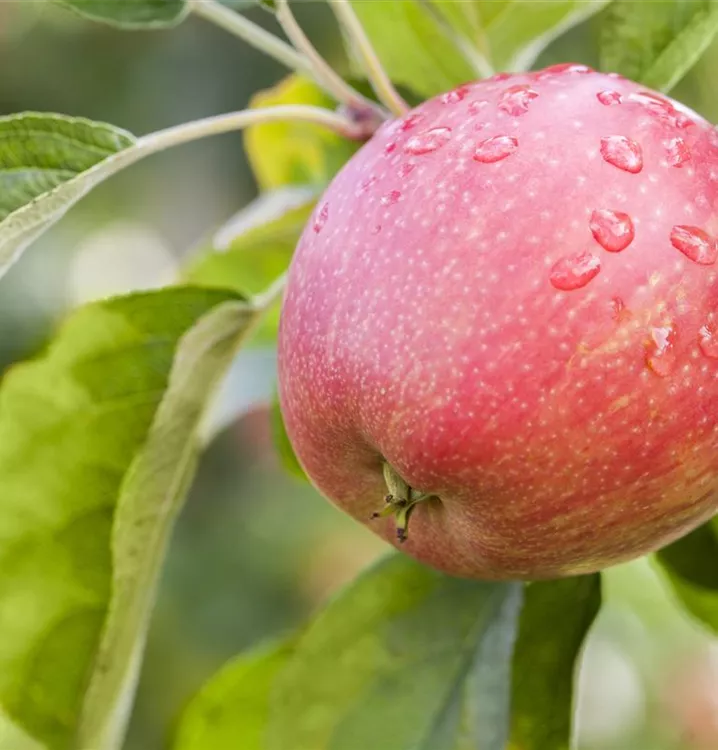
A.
x: 509, y: 297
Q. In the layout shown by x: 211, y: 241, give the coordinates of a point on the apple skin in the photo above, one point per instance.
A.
x: 561, y: 429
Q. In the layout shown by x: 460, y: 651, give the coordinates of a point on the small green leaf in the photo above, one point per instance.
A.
x: 232, y: 709
x: 47, y: 163
x: 131, y: 13
x: 255, y: 247
x: 515, y: 32
x: 283, y: 445
x: 656, y: 42
x: 294, y: 153
x: 412, y: 47
x: 404, y: 658
x: 97, y: 445
x: 691, y: 567
x: 555, y: 619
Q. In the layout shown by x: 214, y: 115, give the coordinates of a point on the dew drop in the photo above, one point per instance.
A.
x: 660, y: 350
x: 390, y: 198
x: 406, y: 169
x: 574, y: 271
x: 364, y: 185
x: 455, y: 95
x: 476, y: 106
x: 609, y: 97
x: 499, y: 77
x: 695, y: 244
x: 684, y: 121
x: 516, y: 99
x: 495, y: 149
x: 622, y: 152
x: 321, y: 218
x: 564, y: 68
x: 708, y: 341
x: 613, y: 230
x: 411, y: 121
x: 428, y: 141
x: 390, y: 147
x: 677, y: 152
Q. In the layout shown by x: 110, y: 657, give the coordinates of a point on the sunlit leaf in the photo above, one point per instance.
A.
x: 515, y: 32
x: 47, y: 163
x: 415, y: 51
x: 97, y: 445
x: 656, y: 42
x: 691, y: 566
x: 232, y: 709
x: 295, y: 153
x: 131, y: 13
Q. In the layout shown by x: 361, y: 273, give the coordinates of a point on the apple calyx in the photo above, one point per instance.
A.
x: 400, y: 501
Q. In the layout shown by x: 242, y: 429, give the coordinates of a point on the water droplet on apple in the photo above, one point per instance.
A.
x: 364, y: 185
x: 684, y: 121
x: 574, y: 271
x: 495, y: 149
x: 660, y: 350
x: 564, y: 68
x: 390, y: 198
x: 321, y: 218
x: 390, y: 147
x: 613, y: 230
x: 677, y: 152
x: 406, y: 169
x: 708, y: 341
x: 516, y: 99
x: 455, y: 95
x: 609, y: 97
x: 622, y: 152
x: 428, y: 141
x: 411, y: 121
x: 695, y: 244
x: 476, y: 106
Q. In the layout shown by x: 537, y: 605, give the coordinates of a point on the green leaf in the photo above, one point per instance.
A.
x: 404, y: 658
x: 555, y: 619
x: 294, y: 153
x: 656, y: 42
x: 515, y: 32
x: 691, y: 567
x: 232, y: 709
x: 283, y: 445
x: 414, y: 50
x: 255, y: 247
x: 47, y: 163
x: 131, y: 13
x: 97, y: 445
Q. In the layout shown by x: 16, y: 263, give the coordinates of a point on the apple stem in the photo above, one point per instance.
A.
x: 321, y: 71
x: 378, y: 78
x: 400, y: 502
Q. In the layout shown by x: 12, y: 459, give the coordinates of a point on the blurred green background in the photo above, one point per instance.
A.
x: 255, y: 552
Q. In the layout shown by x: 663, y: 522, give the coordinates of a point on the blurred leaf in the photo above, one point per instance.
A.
x: 47, y: 163
x: 232, y: 709
x: 255, y: 247
x: 691, y: 566
x: 413, y: 49
x: 97, y: 445
x: 517, y: 31
x: 555, y: 619
x: 656, y: 42
x: 131, y: 13
x: 283, y: 444
x: 404, y: 658
x: 294, y: 153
